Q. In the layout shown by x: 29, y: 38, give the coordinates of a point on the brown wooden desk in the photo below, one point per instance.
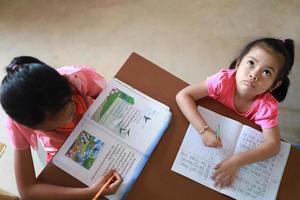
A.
x: 157, y: 181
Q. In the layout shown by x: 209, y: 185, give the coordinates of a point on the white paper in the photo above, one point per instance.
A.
x: 265, y: 175
x: 256, y: 181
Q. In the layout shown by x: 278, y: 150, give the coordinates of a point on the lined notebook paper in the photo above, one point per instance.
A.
x: 257, y: 181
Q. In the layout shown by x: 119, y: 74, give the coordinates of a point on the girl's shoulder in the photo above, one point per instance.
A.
x: 267, y: 104
x: 267, y: 111
x: 84, y: 78
x: 13, y: 125
x: 222, y: 78
x: 220, y: 84
x: 71, y: 69
x: 268, y: 100
x: 20, y: 136
x: 228, y: 72
x: 224, y: 74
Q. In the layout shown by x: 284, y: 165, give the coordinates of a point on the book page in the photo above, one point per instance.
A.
x: 197, y: 161
x: 88, y: 153
x: 259, y: 180
x: 130, y: 116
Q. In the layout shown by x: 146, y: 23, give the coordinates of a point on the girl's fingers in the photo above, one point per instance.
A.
x: 117, y: 181
x: 231, y: 180
x: 216, y: 142
x: 220, y: 143
x: 118, y: 176
x: 216, y: 174
x: 221, y: 180
x: 226, y: 181
x: 218, y: 180
x: 108, y: 174
x: 218, y: 166
x: 113, y: 187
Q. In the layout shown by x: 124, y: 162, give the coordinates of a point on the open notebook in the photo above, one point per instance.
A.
x: 257, y: 181
x: 119, y: 131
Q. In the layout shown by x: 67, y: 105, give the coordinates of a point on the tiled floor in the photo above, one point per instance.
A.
x: 191, y: 39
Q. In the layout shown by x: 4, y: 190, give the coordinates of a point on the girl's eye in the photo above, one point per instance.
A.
x: 250, y: 63
x: 267, y: 73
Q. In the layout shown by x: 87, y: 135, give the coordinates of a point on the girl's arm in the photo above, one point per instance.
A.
x: 186, y: 101
x: 268, y: 148
x: 30, y: 188
x: 226, y: 170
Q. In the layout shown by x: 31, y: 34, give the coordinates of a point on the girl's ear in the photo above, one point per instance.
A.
x: 276, y: 85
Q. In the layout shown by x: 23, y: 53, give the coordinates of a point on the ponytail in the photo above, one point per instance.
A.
x: 17, y: 62
x: 288, y: 52
x: 24, y: 60
x: 233, y: 64
x: 280, y: 92
x: 289, y: 45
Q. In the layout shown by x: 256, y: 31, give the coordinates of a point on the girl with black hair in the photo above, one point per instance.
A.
x: 46, y: 104
x: 252, y: 86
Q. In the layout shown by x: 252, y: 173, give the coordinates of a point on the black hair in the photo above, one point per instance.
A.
x: 31, y: 91
x: 283, y: 47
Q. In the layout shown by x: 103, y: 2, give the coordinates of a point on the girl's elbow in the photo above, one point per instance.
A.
x: 278, y: 147
x: 25, y: 196
x: 275, y: 147
x: 26, y: 193
x: 179, y: 97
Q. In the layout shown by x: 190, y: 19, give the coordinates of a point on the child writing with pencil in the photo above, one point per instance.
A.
x: 252, y: 86
x: 46, y: 104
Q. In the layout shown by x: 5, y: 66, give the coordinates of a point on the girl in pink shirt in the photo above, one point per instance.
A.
x: 46, y: 104
x: 252, y: 86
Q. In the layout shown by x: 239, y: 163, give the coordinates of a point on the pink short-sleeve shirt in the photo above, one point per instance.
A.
x: 87, y: 82
x: 263, y: 112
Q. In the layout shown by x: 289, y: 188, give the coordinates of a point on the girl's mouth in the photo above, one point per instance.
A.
x: 248, y: 83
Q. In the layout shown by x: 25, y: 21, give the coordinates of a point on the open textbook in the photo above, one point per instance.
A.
x: 256, y: 181
x: 119, y: 131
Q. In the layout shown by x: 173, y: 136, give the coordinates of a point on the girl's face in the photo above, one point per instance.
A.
x: 62, y: 118
x: 257, y: 72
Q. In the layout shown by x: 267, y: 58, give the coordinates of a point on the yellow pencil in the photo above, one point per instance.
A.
x: 103, y: 187
x: 2, y: 148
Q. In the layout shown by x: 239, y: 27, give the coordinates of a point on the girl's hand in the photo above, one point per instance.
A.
x: 225, y: 172
x: 112, y: 187
x: 209, y: 139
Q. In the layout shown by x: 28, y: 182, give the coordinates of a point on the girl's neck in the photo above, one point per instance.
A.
x: 242, y: 103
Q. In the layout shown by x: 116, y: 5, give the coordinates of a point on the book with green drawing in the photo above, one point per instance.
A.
x: 257, y: 181
x: 119, y: 131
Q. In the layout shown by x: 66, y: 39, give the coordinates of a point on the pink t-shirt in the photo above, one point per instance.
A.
x: 87, y: 82
x: 263, y: 112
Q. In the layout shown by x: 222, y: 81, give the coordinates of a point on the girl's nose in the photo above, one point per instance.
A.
x: 253, y: 77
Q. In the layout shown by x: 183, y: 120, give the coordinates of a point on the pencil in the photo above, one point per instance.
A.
x: 218, y: 132
x: 2, y: 148
x: 103, y: 187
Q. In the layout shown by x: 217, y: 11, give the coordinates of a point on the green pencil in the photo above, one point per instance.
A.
x: 218, y: 132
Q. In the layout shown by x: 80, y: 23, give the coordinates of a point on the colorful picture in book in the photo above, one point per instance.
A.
x: 111, y: 100
x: 85, y: 149
x: 117, y: 113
